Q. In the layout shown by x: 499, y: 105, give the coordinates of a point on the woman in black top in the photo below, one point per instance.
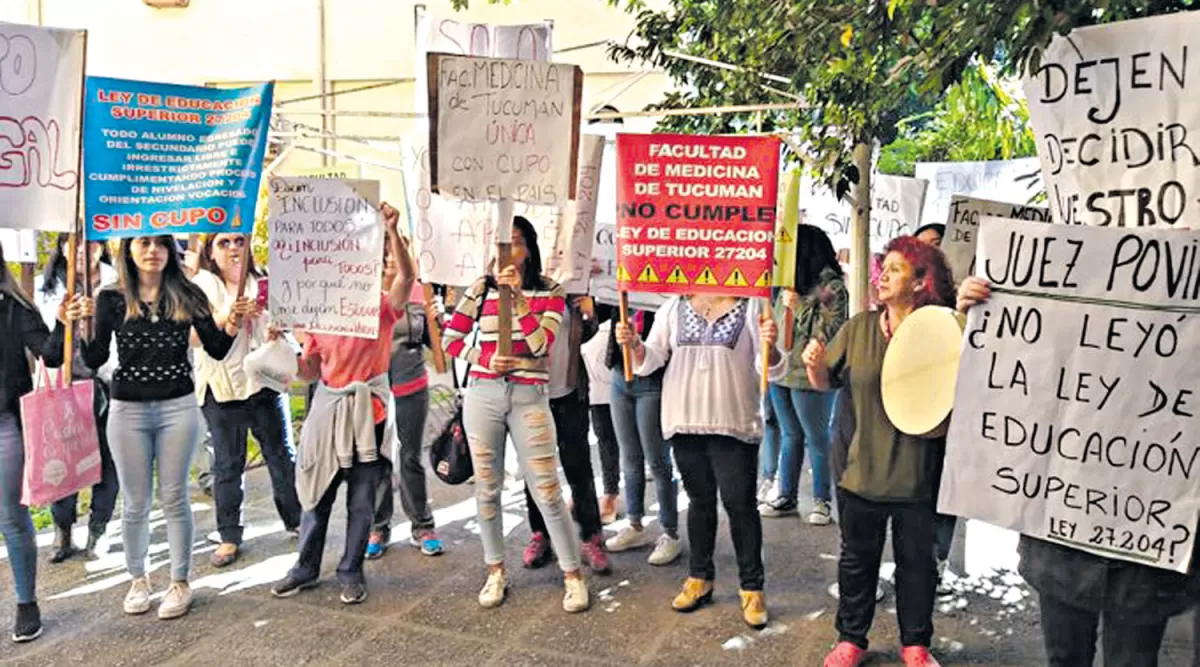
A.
x: 152, y: 311
x: 22, y: 330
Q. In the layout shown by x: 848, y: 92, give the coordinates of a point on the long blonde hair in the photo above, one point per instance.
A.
x: 9, y: 286
x: 184, y: 301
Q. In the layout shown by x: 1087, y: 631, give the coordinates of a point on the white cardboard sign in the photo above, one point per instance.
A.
x: 1118, y: 131
x: 326, y: 255
x: 896, y: 203
x: 41, y: 111
x: 962, y: 228
x: 1075, y: 412
x: 1011, y: 181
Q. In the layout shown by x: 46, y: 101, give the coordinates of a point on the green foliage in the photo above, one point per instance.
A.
x: 979, y: 118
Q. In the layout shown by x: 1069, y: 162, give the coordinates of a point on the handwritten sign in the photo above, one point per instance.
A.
x: 1116, y: 124
x: 168, y: 159
x: 452, y: 236
x: 566, y: 233
x: 41, y: 114
x: 504, y: 129
x: 696, y: 214
x: 20, y: 245
x: 1013, y: 181
x: 326, y: 255
x: 962, y: 228
x: 896, y: 203
x: 1075, y: 408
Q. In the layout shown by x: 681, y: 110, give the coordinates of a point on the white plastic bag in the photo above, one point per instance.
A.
x: 272, y: 366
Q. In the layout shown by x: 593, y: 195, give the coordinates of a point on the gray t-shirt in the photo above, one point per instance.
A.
x: 408, y: 355
x: 560, y: 358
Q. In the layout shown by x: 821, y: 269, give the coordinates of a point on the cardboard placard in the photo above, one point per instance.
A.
x: 962, y: 228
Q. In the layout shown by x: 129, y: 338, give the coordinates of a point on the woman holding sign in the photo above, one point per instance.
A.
x: 509, y: 395
x: 154, y: 422
x: 711, y: 348
x: 888, y: 475
x: 22, y: 330
x: 234, y: 402
x: 1078, y: 590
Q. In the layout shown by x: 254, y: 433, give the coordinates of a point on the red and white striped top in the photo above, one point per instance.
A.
x: 534, y: 327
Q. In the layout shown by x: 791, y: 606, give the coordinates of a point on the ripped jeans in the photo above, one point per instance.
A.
x: 493, y: 409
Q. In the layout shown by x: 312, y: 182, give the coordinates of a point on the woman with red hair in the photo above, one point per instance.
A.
x: 888, y: 474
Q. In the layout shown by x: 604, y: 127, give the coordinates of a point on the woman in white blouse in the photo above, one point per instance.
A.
x: 234, y: 403
x: 712, y: 349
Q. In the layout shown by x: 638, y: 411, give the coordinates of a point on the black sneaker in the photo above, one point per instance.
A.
x: 354, y: 593
x: 779, y: 507
x: 290, y: 586
x: 28, y: 626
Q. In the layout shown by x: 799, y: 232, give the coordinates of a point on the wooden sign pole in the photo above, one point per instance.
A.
x: 69, y: 333
x: 626, y: 353
x: 432, y: 321
x: 502, y: 224
x: 764, y: 382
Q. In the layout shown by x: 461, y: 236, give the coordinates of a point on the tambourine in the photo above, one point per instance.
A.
x: 920, y: 370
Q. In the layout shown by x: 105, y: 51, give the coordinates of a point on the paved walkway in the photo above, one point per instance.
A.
x: 422, y: 611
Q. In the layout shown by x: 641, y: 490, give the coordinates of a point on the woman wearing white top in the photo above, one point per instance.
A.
x: 234, y: 404
x: 710, y: 414
x: 50, y: 289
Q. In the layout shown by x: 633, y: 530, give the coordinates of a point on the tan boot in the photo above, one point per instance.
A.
x: 754, y: 608
x: 695, y: 594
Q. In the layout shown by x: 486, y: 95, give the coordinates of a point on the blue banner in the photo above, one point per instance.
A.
x: 167, y: 159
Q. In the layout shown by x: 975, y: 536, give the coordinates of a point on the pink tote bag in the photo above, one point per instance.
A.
x: 62, y: 448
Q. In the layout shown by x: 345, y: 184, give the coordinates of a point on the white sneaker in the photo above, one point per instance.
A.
x: 576, y: 598
x: 493, y: 591
x: 628, y: 538
x: 764, y: 490
x: 137, y: 600
x: 176, y: 602
x: 820, y: 515
x: 943, y: 585
x: 880, y: 593
x: 666, y: 550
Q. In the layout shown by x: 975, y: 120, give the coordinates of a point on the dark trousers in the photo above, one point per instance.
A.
x: 864, y: 530
x: 610, y: 451
x: 1070, y: 633
x: 712, y: 463
x: 104, y: 494
x: 265, y: 415
x: 944, y: 526
x: 571, y: 423
x: 362, y: 480
x: 411, y: 411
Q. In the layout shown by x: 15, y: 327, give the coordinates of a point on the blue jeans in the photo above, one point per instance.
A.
x: 636, y: 416
x: 15, y: 524
x: 804, y: 418
x: 150, y: 437
x: 493, y: 409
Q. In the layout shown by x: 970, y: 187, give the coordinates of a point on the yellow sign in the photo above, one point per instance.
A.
x: 623, y: 274
x: 764, y: 280
x: 787, y: 220
x: 677, y: 277
x: 706, y: 277
x: 648, y: 275
x: 736, y: 279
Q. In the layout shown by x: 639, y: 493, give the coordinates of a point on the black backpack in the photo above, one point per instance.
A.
x: 449, y: 453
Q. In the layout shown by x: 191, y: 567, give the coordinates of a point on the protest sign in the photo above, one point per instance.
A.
x: 504, y: 129
x: 788, y: 219
x: 20, y: 245
x: 1012, y: 181
x: 696, y: 214
x: 169, y: 159
x: 326, y: 255
x: 453, y: 237
x: 962, y: 227
x: 604, y: 283
x: 896, y: 203
x: 1075, y: 399
x: 41, y: 114
x: 1116, y: 128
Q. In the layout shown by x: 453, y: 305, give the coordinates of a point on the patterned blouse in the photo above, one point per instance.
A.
x: 821, y: 314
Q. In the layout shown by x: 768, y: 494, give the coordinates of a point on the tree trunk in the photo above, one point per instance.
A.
x: 860, y: 232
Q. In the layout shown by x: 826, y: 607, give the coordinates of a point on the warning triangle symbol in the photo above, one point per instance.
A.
x: 736, y: 279
x: 648, y: 275
x: 706, y: 277
x: 764, y: 280
x: 677, y: 277
x: 783, y: 236
x: 623, y: 274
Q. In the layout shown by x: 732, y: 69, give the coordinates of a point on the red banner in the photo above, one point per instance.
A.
x: 696, y: 214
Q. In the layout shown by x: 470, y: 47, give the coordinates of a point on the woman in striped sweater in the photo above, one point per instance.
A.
x: 508, y: 395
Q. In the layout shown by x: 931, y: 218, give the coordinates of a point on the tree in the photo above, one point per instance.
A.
x: 982, y: 117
